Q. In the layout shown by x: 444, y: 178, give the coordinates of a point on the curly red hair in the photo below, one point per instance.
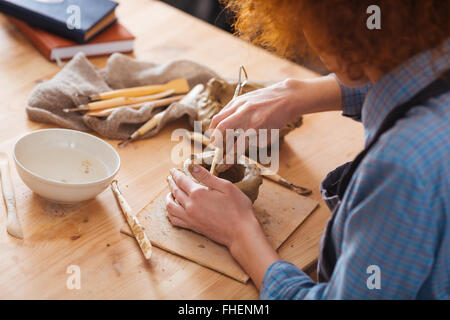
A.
x: 338, y: 28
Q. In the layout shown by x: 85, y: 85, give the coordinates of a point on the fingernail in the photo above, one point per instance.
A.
x: 194, y: 168
x: 172, y: 171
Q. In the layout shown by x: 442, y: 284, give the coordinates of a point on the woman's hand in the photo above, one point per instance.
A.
x: 219, y: 210
x: 275, y: 106
x: 215, y: 208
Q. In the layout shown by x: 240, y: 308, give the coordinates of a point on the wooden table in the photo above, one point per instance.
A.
x: 87, y: 235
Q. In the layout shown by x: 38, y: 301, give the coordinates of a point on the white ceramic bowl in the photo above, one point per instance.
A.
x: 64, y: 165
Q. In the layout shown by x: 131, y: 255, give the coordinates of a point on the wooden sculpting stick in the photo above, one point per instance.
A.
x: 215, y: 160
x: 195, y: 136
x: 178, y: 85
x: 13, y: 227
x: 119, y: 102
x: 242, y: 81
x: 154, y: 121
x: 133, y: 222
x: 155, y: 104
x: 146, y: 127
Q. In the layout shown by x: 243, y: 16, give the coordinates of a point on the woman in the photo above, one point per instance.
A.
x: 391, y: 206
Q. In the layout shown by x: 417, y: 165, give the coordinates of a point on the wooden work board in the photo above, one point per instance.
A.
x: 278, y: 210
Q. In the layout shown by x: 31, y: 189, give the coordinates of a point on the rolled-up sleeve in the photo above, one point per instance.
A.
x: 353, y: 99
x: 282, y: 280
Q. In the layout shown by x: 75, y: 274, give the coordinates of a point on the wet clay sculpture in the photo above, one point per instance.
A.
x: 245, y: 176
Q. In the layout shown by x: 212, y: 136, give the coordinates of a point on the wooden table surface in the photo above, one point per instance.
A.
x: 87, y: 235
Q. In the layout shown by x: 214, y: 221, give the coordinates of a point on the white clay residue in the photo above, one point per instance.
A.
x: 66, y: 165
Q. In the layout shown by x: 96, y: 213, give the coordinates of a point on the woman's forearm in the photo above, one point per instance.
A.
x: 315, y: 95
x: 252, y: 250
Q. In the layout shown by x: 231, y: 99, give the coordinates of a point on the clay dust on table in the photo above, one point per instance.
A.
x: 55, y: 209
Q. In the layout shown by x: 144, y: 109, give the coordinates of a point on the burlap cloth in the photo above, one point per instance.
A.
x: 79, y: 79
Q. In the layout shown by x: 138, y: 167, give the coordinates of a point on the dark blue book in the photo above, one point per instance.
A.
x: 79, y: 20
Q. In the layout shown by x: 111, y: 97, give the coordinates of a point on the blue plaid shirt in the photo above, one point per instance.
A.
x: 395, y: 214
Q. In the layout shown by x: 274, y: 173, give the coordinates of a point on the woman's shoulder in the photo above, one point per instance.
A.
x: 419, y: 143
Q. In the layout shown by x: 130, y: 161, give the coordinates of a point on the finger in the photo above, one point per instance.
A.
x: 218, y: 136
x: 226, y: 130
x: 229, y: 109
x: 173, y: 208
x: 177, y: 193
x: 204, y: 177
x: 178, y: 222
x: 223, y: 114
x: 185, y: 183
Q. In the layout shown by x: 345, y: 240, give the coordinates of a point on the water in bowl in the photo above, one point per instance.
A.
x: 66, y: 165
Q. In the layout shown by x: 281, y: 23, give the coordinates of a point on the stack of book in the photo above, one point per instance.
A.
x: 62, y: 28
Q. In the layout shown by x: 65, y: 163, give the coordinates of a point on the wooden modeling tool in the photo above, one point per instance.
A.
x: 179, y: 86
x: 204, y: 140
x: 155, y: 104
x: 119, y: 102
x: 133, y: 222
x: 242, y: 81
x: 154, y: 121
x: 13, y: 226
x: 215, y: 160
x: 149, y: 125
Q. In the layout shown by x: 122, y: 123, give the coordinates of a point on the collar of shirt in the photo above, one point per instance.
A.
x: 401, y: 84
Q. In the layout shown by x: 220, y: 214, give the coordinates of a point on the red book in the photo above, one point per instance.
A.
x: 116, y: 38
